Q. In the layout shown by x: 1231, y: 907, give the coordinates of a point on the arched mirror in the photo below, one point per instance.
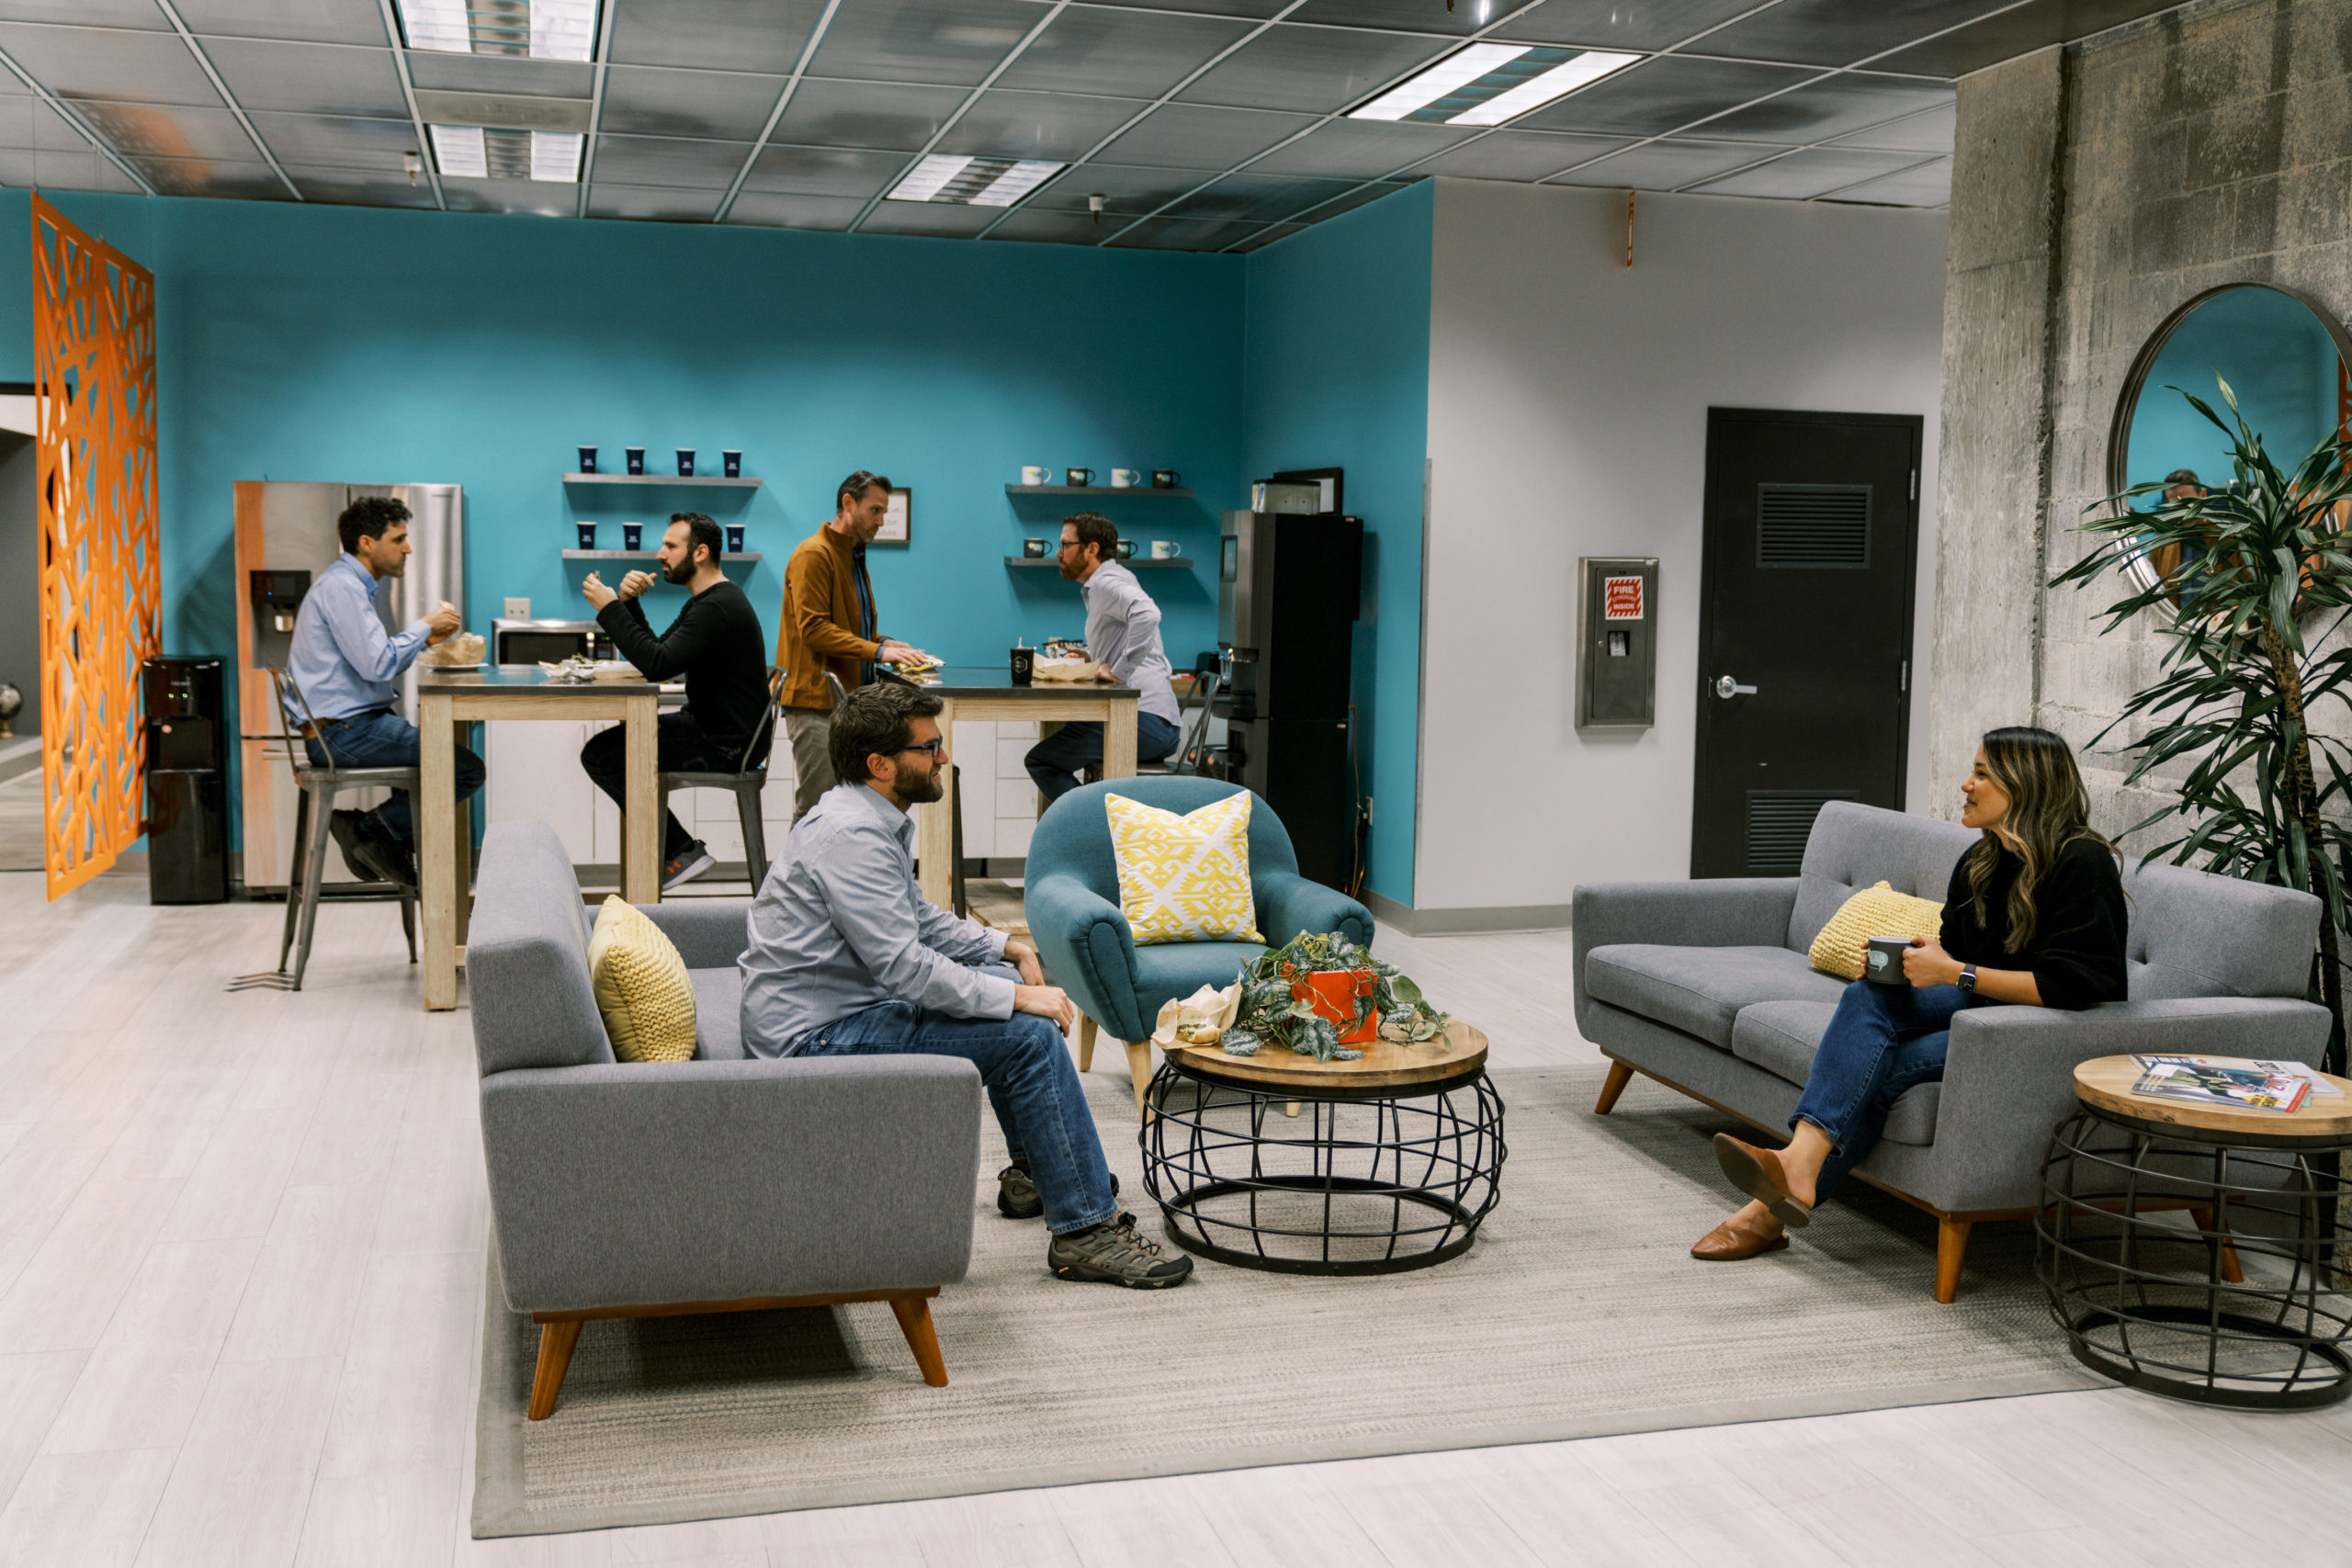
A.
x: 2286, y: 357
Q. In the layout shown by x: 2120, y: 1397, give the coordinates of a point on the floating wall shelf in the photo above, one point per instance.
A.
x: 1048, y: 560
x: 648, y: 555
x: 1096, y: 489
x: 660, y: 480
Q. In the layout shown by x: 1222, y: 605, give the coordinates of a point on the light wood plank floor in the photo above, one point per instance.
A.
x: 240, y: 1244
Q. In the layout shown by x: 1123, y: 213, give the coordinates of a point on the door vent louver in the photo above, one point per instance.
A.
x: 1813, y: 526
x: 1779, y: 823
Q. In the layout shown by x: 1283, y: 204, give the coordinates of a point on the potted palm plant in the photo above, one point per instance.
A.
x: 2246, y: 569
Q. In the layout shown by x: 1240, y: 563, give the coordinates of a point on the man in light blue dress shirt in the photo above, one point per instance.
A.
x: 1122, y: 636
x: 848, y: 958
x: 347, y: 667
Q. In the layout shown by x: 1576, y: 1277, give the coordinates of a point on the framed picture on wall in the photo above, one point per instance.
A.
x: 895, y: 521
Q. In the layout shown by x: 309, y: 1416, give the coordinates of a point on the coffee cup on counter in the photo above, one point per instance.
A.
x: 632, y: 535
x: 1125, y: 478
x: 685, y: 462
x: 1079, y: 478
x: 734, y: 538
x: 1163, y: 549
x: 1882, y: 960
x: 1036, y: 474
x: 1165, y: 479
x: 635, y: 455
x: 587, y: 460
x: 1024, y: 665
x: 587, y: 532
x: 1034, y: 549
x: 1127, y: 549
x: 732, y: 463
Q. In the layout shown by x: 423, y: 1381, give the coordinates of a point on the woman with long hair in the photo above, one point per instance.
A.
x: 2034, y: 915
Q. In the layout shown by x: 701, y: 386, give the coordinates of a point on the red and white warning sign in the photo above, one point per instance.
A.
x: 1621, y: 598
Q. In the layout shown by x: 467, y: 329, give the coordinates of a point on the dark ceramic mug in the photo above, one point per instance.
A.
x: 1078, y: 479
x: 1024, y: 665
x: 1882, y: 960
x: 1165, y: 479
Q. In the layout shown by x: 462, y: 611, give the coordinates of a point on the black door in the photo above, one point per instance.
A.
x: 1804, y: 628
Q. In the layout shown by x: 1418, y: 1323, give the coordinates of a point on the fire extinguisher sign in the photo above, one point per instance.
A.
x: 1621, y: 598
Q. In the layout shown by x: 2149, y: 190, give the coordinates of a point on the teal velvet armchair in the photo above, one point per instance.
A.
x: 1071, y: 891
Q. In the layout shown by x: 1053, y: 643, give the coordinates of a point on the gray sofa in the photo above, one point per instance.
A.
x: 1705, y: 986
x: 722, y: 1184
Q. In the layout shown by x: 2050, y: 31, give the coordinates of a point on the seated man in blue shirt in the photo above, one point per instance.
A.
x: 847, y: 958
x: 347, y: 667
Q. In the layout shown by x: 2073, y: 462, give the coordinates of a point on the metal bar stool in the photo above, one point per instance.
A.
x: 747, y: 781
x: 317, y: 789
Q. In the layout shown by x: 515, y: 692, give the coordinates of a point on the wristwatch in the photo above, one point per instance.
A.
x: 1967, y: 981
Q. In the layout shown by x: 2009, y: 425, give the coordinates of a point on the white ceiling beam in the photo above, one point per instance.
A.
x: 408, y: 95
x: 596, y: 102
x: 783, y: 102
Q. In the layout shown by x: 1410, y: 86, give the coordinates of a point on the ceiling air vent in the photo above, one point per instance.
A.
x: 1779, y: 823
x: 1813, y: 526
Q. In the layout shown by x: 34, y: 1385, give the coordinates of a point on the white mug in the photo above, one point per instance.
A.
x: 1035, y: 475
x: 1163, y: 549
x: 1126, y: 479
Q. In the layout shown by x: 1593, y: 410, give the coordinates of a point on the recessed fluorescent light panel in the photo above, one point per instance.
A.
x: 1488, y: 84
x: 541, y: 29
x: 974, y: 182
x: 469, y: 151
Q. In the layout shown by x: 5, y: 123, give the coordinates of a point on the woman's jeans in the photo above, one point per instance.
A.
x: 1883, y: 1041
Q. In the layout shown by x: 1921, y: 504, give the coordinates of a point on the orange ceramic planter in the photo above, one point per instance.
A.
x: 1336, y: 994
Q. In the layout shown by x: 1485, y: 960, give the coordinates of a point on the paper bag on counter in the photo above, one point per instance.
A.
x: 1200, y: 1019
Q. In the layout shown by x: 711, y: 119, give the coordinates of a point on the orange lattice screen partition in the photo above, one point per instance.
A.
x: 94, y: 375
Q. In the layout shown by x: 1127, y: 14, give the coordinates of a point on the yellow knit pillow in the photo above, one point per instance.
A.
x: 1184, y: 879
x: 641, y: 986
x: 1875, y: 910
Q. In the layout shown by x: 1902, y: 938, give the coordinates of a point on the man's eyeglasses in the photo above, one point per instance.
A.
x: 932, y: 747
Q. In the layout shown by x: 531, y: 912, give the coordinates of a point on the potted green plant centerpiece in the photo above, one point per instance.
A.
x: 1323, y: 995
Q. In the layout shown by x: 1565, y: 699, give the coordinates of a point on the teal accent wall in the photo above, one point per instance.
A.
x: 1336, y: 373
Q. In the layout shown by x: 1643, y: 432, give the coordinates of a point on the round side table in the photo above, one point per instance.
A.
x: 2237, y: 1306
x: 1391, y: 1164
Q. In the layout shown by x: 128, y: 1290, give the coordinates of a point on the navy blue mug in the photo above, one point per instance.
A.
x: 685, y: 462
x: 587, y: 460
x: 587, y: 533
x: 635, y: 455
x: 632, y: 535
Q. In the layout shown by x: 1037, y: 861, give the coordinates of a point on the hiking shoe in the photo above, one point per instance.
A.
x: 691, y: 863
x: 1116, y: 1253
x: 1016, y: 1193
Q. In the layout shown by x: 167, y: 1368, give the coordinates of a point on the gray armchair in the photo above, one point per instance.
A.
x: 725, y: 1183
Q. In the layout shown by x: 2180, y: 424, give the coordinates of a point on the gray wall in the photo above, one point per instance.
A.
x: 2095, y: 190
x: 20, y: 575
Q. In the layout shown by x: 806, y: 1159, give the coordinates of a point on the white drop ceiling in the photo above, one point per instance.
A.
x: 1203, y: 125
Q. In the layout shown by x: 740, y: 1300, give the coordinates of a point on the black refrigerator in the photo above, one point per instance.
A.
x: 1288, y: 591
x: 187, y: 784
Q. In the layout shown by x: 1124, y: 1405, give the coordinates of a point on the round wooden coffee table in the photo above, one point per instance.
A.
x: 1390, y: 1162
x: 2235, y: 1307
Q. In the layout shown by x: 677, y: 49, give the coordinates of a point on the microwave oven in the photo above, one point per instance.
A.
x: 547, y: 642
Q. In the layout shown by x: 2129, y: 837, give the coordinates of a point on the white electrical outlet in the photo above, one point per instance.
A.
x: 518, y: 609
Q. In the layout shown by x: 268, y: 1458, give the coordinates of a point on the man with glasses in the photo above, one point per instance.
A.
x: 1122, y: 636
x: 847, y: 958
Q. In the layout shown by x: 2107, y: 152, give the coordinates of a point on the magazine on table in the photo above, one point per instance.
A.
x: 2237, y: 1081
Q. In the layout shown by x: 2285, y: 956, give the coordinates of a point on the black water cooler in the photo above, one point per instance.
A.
x: 187, y: 781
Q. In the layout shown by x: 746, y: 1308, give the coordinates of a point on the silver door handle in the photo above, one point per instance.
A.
x: 1728, y: 687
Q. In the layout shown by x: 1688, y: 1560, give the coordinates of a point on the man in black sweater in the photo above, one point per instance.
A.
x: 716, y: 643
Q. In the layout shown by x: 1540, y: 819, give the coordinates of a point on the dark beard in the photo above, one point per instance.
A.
x: 679, y: 575
x: 923, y: 794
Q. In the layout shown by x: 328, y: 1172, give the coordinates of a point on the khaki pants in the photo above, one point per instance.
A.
x: 810, y: 732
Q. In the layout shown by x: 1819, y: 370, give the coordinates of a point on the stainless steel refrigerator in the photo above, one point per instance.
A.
x: 285, y: 540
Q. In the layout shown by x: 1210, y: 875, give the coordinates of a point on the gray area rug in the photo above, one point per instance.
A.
x: 1578, y: 1313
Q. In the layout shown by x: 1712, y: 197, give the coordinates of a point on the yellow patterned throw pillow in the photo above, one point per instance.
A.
x: 1875, y: 910
x: 641, y: 986
x: 1184, y: 879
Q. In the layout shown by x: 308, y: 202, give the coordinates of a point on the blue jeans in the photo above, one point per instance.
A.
x: 1033, y: 1086
x: 1883, y: 1041
x: 1058, y: 760
x: 383, y: 740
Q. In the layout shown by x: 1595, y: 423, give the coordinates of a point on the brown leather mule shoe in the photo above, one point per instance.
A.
x: 1756, y: 1172
x: 1728, y: 1243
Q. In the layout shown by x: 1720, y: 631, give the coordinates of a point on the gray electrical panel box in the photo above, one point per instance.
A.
x: 1617, y: 642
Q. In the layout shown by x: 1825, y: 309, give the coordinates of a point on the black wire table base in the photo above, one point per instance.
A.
x: 1361, y: 1181
x: 2193, y: 1268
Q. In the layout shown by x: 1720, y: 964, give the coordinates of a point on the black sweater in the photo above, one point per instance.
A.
x: 716, y: 643
x: 2076, y: 953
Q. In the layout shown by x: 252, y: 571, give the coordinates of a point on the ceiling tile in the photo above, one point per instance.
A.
x: 143, y: 15
x: 1662, y: 95
x: 1262, y: 199
x: 1138, y: 54
x: 1362, y: 148
x: 1040, y: 226
x: 59, y: 168
x: 1608, y: 24
x: 945, y: 218
x: 1841, y: 32
x: 2020, y: 31
x: 1186, y: 136
x: 1267, y: 236
x: 852, y: 114
x: 1253, y: 8
x: 666, y: 161
x: 1519, y: 155
x: 1814, y: 172
x: 542, y: 196
x: 27, y: 122
x: 775, y: 210
x: 336, y: 141
x: 660, y: 204
x: 1361, y: 196
x: 1038, y: 125
x: 1131, y: 192
x: 1930, y: 133
x: 1929, y: 185
x: 824, y: 171
x: 309, y: 77
x: 1184, y: 234
x: 500, y: 74
x: 1667, y: 166
x: 1414, y: 16
x: 724, y: 35
x: 90, y: 62
x: 169, y: 130
x: 1319, y: 69
x: 354, y: 187
x: 245, y: 181
x: 919, y: 40
x: 311, y: 21
x: 1830, y: 109
x: 716, y: 104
